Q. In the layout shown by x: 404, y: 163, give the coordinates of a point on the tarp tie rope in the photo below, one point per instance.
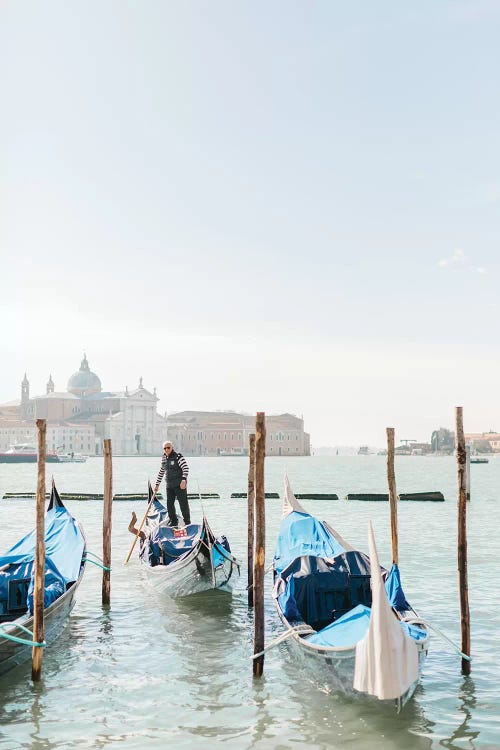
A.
x: 299, y: 630
x: 267, y: 570
x: 99, y: 564
x: 22, y: 641
x: 421, y: 621
x: 94, y: 562
x: 93, y: 554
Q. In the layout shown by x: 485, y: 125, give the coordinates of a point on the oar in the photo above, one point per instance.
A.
x: 140, y: 528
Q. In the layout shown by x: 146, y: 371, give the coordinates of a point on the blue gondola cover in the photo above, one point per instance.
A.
x: 64, y: 547
x: 301, y: 534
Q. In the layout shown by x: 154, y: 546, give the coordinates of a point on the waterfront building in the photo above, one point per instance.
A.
x: 226, y: 433
x: 443, y: 441
x: 484, y: 442
x: 62, y: 437
x: 82, y: 416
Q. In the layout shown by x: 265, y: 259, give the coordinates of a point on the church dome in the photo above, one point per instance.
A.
x: 84, y: 382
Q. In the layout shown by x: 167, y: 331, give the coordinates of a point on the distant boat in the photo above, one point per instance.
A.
x: 24, y: 453
x: 478, y: 460
x: 72, y: 458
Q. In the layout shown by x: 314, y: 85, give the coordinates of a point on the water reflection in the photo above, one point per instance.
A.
x: 37, y: 714
x: 327, y: 716
x: 464, y: 736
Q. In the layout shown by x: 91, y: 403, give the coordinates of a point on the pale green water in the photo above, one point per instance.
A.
x: 154, y: 674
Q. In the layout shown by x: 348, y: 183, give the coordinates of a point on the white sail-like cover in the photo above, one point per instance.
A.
x: 386, y: 658
x: 290, y: 502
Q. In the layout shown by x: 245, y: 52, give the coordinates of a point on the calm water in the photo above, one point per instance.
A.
x: 150, y: 673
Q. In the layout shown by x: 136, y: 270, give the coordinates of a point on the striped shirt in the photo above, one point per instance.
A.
x: 179, y: 468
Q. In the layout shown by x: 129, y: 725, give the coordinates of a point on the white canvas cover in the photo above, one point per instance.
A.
x: 386, y: 662
x: 290, y: 502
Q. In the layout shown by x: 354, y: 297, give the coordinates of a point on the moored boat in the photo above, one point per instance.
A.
x: 180, y: 561
x: 24, y: 453
x: 65, y: 549
x: 72, y: 458
x: 345, y: 616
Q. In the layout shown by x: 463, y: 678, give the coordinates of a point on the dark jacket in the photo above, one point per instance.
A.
x: 175, y: 469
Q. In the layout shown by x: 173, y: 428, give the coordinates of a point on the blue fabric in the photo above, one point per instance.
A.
x: 220, y: 553
x: 320, y: 591
x: 301, y: 534
x: 346, y: 631
x: 64, y: 545
x: 287, y: 602
x: 416, y: 633
x: 163, y: 540
x: 352, y: 627
x: 54, y: 586
x: 394, y: 590
x: 64, y: 548
x: 157, y: 514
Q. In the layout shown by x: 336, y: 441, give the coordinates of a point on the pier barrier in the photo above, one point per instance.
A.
x: 435, y: 497
x: 62, y: 495
x: 139, y: 496
x: 316, y: 496
x: 368, y: 496
x: 273, y: 495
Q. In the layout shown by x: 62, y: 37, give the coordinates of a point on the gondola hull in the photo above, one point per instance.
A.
x: 65, y: 561
x: 191, y: 574
x: 345, y: 618
x: 55, y: 619
x: 333, y: 668
x: 182, y: 562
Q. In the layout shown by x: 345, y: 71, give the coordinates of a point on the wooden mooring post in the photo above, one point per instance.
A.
x: 251, y: 515
x: 393, y: 496
x: 462, y: 540
x: 107, y: 509
x: 260, y: 544
x: 39, y: 563
x: 467, y: 469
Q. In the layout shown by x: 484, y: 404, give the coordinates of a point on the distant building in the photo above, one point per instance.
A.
x: 484, y: 442
x: 443, y: 441
x: 420, y: 449
x: 80, y: 418
x: 226, y: 433
x: 61, y: 437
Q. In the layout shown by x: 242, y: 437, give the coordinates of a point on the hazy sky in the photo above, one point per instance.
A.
x: 278, y: 206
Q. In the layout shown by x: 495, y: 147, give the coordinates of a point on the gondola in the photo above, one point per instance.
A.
x: 345, y: 617
x: 65, y: 554
x: 180, y: 561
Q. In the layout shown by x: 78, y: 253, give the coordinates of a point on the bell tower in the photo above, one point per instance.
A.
x: 50, y: 385
x: 25, y: 396
x: 25, y: 390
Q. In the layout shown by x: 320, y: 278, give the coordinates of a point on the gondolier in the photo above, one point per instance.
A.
x: 175, y: 469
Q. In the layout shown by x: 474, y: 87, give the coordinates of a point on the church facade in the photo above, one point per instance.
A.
x: 82, y: 416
